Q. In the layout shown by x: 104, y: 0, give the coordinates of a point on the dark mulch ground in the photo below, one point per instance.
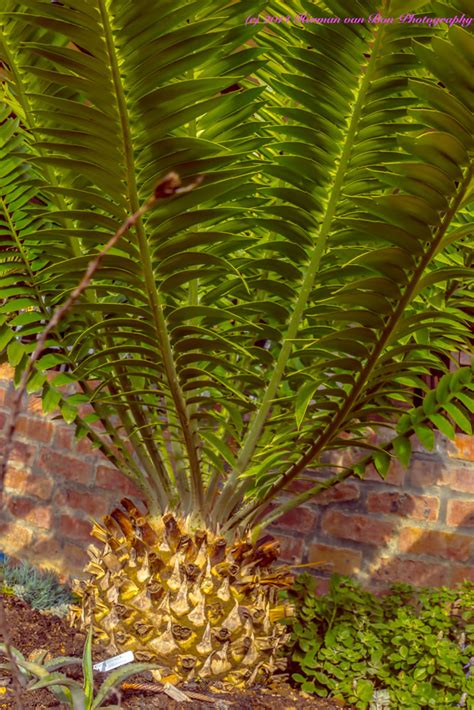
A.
x: 30, y: 630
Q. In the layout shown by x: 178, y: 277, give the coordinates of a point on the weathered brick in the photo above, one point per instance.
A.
x: 338, y: 559
x: 46, y: 548
x: 337, y: 494
x: 291, y: 548
x: 70, y: 467
x: 359, y: 528
x: 84, y: 446
x: 63, y: 438
x: 23, y: 482
x: 300, y: 519
x: 429, y: 472
x: 462, y: 573
x: 449, y: 545
x: 86, y: 409
x: 462, y: 447
x: 30, y: 511
x: 35, y: 405
x: 15, y: 538
x: 460, y: 513
x: 112, y: 479
x: 74, y: 528
x: 87, y: 501
x: 21, y: 455
x: 6, y: 372
x: 34, y: 428
x: 300, y: 485
x: 389, y: 570
x: 404, y: 504
x: 462, y: 479
x: 395, y: 476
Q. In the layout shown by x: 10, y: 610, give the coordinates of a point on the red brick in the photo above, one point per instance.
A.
x: 86, y: 409
x: 338, y: 494
x: 462, y: 573
x: 338, y: 559
x: 460, y: 513
x: 390, y: 570
x: 86, y: 501
x: 84, y: 446
x: 462, y: 479
x: 69, y: 467
x: 404, y: 504
x: 462, y: 447
x: 450, y: 545
x: 112, y: 479
x: 359, y: 528
x: 74, y: 528
x: 31, y: 512
x: 34, y: 428
x: 395, y: 476
x: 15, y: 538
x: 46, y: 548
x: 35, y: 405
x: 63, y: 438
x: 22, y: 454
x: 300, y: 485
x: 300, y: 519
x: 429, y: 472
x: 6, y: 372
x: 22, y: 482
x: 291, y: 548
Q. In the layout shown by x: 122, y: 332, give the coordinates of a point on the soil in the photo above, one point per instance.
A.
x: 30, y: 630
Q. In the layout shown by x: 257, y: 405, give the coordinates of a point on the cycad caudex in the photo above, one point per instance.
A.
x: 183, y: 598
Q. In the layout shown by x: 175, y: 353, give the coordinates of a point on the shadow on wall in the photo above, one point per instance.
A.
x: 423, y: 557
x: 416, y: 526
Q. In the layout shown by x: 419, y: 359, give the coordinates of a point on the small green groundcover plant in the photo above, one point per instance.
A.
x: 410, y: 648
x: 41, y: 589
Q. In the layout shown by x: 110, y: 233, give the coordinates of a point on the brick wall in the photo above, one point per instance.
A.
x: 417, y: 526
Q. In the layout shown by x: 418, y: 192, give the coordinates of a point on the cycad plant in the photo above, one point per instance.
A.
x: 282, y: 306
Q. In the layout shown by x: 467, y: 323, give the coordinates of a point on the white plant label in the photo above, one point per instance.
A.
x: 114, y: 662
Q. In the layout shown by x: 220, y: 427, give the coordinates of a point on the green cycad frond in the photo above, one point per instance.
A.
x: 108, y: 121
x: 354, y: 343
x: 27, y: 300
x: 301, y: 290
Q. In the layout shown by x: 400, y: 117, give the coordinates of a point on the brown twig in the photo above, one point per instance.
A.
x: 16, y: 678
x: 168, y: 187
